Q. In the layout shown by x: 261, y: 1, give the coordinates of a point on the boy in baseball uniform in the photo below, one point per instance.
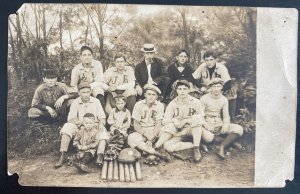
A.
x: 120, y: 80
x: 119, y: 118
x: 147, y: 118
x: 183, y: 118
x: 217, y: 119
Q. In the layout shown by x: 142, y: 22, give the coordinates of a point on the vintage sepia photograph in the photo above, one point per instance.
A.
x: 116, y: 95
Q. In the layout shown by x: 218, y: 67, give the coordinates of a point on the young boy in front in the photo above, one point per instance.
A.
x: 86, y: 141
x: 119, y: 118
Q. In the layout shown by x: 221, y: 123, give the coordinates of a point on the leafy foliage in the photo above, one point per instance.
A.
x: 49, y: 36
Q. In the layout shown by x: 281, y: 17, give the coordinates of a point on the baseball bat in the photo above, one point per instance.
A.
x: 116, y: 171
x: 132, y: 173
x: 104, y: 171
x: 110, y: 171
x: 138, y: 171
x: 121, y: 172
x: 127, y: 175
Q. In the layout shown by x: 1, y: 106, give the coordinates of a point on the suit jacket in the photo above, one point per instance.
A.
x: 158, y: 72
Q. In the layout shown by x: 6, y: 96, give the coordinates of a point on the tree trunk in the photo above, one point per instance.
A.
x: 60, y: 36
x: 45, y: 47
x: 186, y: 45
x: 13, y: 54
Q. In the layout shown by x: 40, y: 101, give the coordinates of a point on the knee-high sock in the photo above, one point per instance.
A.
x: 183, y: 146
x: 197, y: 133
x: 229, y: 139
x: 144, y: 147
x: 101, y: 147
x: 65, y: 141
x: 162, y: 139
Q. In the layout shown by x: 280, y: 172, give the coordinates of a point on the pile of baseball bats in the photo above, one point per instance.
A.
x: 124, y: 172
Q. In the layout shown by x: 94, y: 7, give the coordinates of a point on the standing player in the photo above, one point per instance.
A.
x: 147, y: 115
x: 217, y: 119
x: 120, y: 80
x: 183, y: 118
x: 89, y: 71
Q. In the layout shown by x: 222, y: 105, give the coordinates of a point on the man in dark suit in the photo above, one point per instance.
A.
x: 151, y: 70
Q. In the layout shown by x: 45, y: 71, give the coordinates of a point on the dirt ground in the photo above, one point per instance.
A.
x: 236, y: 171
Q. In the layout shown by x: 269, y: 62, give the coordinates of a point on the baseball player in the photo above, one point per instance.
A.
x: 120, y: 80
x: 217, y: 119
x: 50, y: 98
x: 183, y: 118
x: 147, y: 117
x: 80, y: 106
x: 89, y: 71
x: 211, y: 69
x: 119, y: 118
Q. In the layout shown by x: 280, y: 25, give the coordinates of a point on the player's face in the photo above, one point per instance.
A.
x: 50, y: 81
x: 148, y: 56
x: 86, y: 57
x: 216, y: 89
x: 120, y: 63
x: 182, y: 58
x: 120, y: 104
x: 210, y: 61
x: 151, y: 96
x: 88, y: 123
x: 84, y: 94
x: 182, y: 91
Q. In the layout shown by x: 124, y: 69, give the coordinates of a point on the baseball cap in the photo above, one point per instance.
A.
x: 83, y: 85
x: 152, y: 87
x: 50, y: 73
x: 215, y: 81
x: 183, y: 82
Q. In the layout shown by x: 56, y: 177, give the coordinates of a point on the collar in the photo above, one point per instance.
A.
x: 190, y: 98
x: 116, y: 70
x: 144, y: 102
x: 46, y: 87
x: 122, y: 110
x: 81, y: 65
x: 80, y: 101
x: 177, y: 65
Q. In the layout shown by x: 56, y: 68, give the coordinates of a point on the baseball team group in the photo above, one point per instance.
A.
x: 149, y: 107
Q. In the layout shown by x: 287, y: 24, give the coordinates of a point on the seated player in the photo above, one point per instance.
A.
x: 50, y: 98
x: 82, y: 105
x: 120, y: 80
x: 183, y: 118
x: 181, y: 69
x: 217, y: 119
x: 119, y: 118
x: 147, y: 117
x: 89, y: 71
x: 86, y: 141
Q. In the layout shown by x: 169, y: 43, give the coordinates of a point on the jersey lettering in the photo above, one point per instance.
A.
x: 115, y: 80
x: 125, y: 79
x: 153, y: 115
x: 191, y: 111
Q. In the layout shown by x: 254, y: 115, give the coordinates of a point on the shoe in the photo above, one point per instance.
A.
x: 237, y: 145
x: 221, y: 152
x: 197, y: 154
x: 100, y: 158
x: 85, y: 168
x: 61, y: 160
